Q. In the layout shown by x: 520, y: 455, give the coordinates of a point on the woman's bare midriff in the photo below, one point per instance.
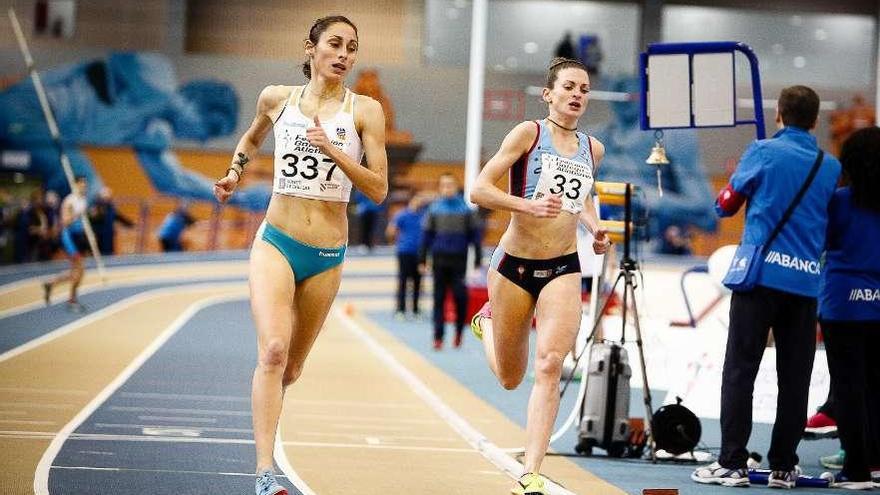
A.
x: 540, y: 238
x: 310, y: 221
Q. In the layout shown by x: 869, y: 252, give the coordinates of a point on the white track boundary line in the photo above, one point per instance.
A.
x: 41, y: 476
x: 471, y: 435
x: 104, y: 312
x: 285, y: 466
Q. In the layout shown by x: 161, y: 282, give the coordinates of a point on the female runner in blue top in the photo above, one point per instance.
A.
x: 535, y: 269
x: 322, y: 130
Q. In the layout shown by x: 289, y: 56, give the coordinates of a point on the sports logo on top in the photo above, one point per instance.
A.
x: 340, y: 133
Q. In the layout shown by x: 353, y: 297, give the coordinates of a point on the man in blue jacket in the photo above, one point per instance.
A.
x: 768, y: 177
x: 449, y: 227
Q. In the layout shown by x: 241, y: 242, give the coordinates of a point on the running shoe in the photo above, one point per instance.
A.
x: 267, y: 485
x: 716, y: 474
x: 820, y: 425
x: 834, y: 461
x: 457, y: 341
x: 783, y: 479
x: 841, y: 480
x: 438, y: 344
x: 484, y: 312
x: 529, y: 484
x: 875, y: 476
x: 75, y: 307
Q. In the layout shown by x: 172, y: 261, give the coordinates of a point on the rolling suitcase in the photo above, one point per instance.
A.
x: 604, y: 419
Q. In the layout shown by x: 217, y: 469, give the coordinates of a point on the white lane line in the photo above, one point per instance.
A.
x: 372, y: 441
x: 357, y: 404
x: 25, y: 422
x: 362, y: 445
x: 164, y: 471
x: 210, y: 429
x: 185, y: 397
x: 8, y: 412
x: 104, y: 312
x: 470, y: 434
x: 384, y: 438
x: 182, y: 419
x: 99, y: 437
x: 41, y: 476
x: 38, y: 405
x: 365, y: 419
x: 170, y: 410
x: 54, y: 391
x: 346, y: 426
x: 146, y: 280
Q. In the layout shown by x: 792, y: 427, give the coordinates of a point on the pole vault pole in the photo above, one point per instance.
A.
x: 56, y: 136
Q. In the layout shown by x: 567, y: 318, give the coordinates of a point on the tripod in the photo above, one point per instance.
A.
x: 628, y: 269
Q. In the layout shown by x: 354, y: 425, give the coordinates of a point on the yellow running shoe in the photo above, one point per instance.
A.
x: 529, y: 484
x: 484, y: 312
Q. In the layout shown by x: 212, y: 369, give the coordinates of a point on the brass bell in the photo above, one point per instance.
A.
x: 658, y: 157
x: 658, y: 152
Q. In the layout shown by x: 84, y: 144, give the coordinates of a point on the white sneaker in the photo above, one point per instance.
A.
x: 716, y: 474
x: 840, y: 480
x: 783, y: 479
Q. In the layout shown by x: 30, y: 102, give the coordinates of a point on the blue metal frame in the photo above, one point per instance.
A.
x: 692, y: 49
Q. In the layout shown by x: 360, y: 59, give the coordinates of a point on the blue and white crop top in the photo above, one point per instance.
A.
x: 543, y: 170
x: 301, y: 170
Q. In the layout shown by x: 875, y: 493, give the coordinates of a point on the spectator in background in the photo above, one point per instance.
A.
x: 104, y: 216
x: 32, y: 230
x: 450, y: 226
x: 52, y: 207
x: 675, y: 241
x: 769, y: 176
x: 405, y: 229
x: 7, y: 221
x: 172, y: 228
x: 565, y: 47
x: 849, y: 309
x: 367, y: 213
x: 846, y: 121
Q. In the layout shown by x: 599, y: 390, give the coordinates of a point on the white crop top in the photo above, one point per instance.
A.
x: 300, y: 169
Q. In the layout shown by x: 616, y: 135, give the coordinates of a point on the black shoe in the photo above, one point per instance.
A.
x: 47, y: 292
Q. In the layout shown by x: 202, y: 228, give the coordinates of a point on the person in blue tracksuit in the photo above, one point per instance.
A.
x: 769, y: 175
x: 406, y: 230
x: 449, y: 227
x: 172, y: 227
x: 849, y: 308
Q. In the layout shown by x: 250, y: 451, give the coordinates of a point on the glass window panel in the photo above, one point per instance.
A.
x: 830, y: 50
x: 522, y: 35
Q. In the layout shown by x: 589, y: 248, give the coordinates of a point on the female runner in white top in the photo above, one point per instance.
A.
x: 317, y: 159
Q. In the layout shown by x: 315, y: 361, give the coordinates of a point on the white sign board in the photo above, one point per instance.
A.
x: 713, y: 89
x: 669, y: 91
